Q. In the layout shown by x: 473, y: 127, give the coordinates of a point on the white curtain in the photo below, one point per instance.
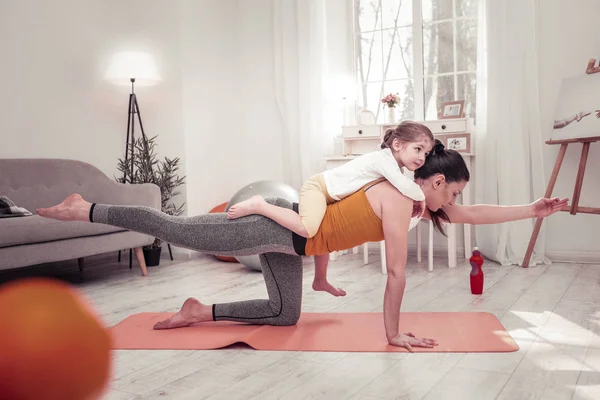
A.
x: 509, y: 161
x: 301, y: 83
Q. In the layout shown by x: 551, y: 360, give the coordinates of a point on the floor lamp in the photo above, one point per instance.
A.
x: 134, y: 110
x: 127, y: 67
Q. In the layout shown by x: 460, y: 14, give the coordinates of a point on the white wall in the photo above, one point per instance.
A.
x: 569, y: 35
x: 215, y: 109
x: 231, y: 122
x: 261, y: 125
x: 233, y: 129
x: 54, y: 102
x: 208, y: 51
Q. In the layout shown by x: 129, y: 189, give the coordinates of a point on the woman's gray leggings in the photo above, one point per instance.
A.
x: 215, y: 234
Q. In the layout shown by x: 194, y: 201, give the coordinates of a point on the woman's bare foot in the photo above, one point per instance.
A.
x: 73, y: 208
x: 190, y: 313
x: 324, y: 286
x: 246, y: 207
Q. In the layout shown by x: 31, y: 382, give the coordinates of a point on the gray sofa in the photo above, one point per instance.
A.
x: 44, y: 182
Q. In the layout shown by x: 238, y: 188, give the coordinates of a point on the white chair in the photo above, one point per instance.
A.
x: 451, y: 239
x: 450, y: 231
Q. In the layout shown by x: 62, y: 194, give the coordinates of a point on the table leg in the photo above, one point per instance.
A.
x: 383, y: 261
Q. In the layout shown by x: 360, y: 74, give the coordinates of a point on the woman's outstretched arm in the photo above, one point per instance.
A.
x: 480, y: 214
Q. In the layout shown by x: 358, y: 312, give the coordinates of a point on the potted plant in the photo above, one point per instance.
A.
x: 164, y: 174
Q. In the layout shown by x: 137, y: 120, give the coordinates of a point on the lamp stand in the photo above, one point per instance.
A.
x: 134, y: 109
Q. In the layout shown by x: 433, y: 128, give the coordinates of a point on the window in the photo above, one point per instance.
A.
x: 424, y: 50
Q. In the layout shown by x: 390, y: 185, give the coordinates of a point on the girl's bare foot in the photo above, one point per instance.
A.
x: 73, y: 208
x: 190, y: 313
x: 324, y: 286
x: 246, y: 207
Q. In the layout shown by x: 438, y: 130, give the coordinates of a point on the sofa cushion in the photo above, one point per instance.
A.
x: 36, y: 229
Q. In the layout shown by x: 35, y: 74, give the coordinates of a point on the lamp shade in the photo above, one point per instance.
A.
x: 126, y: 65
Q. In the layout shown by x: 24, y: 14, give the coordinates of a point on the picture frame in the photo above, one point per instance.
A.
x: 577, y: 111
x: 460, y: 142
x: 452, y: 109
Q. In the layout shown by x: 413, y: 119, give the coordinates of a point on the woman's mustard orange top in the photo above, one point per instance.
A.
x: 346, y: 224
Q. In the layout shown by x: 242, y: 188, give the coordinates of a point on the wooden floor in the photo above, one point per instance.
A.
x: 551, y: 311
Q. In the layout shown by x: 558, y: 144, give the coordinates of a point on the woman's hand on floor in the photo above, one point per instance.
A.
x: 408, y: 340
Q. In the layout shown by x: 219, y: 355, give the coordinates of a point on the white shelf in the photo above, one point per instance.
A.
x: 360, y: 139
x: 378, y: 138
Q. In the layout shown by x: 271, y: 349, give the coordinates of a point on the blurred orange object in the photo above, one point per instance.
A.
x: 221, y: 208
x: 52, y: 344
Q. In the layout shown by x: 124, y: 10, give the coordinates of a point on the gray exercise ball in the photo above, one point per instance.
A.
x: 264, y: 189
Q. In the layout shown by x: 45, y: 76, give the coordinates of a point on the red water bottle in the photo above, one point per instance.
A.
x: 476, y: 272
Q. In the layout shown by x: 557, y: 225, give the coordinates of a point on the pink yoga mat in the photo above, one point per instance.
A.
x: 348, y: 332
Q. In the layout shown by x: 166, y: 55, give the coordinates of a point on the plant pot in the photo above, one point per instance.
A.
x: 152, y: 256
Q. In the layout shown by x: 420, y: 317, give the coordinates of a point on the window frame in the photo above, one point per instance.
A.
x: 418, y: 76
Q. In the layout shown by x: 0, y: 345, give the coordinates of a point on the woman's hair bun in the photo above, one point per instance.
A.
x: 438, y: 147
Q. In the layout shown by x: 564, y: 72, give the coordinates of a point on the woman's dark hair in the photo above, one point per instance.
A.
x: 406, y: 132
x: 448, y: 163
